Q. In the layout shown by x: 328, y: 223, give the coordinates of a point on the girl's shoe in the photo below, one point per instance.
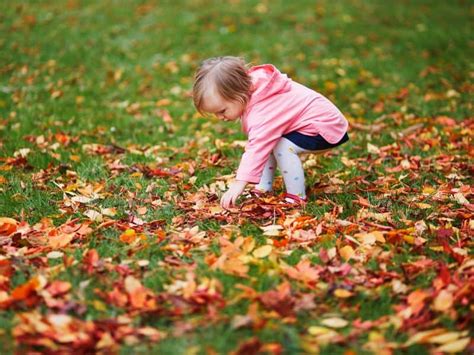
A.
x: 295, y: 199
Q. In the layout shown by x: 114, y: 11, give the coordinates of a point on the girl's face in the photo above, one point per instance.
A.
x: 224, y: 110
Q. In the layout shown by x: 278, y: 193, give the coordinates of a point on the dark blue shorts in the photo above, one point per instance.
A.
x: 313, y: 142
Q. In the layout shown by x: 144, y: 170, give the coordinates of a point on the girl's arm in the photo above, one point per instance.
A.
x: 231, y: 195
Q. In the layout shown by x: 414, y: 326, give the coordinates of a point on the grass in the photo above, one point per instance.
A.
x: 108, y: 73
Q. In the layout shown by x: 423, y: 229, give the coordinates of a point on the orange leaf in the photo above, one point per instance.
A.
x: 90, y: 260
x: 128, y: 236
x: 22, y: 292
x: 342, y: 293
x: 57, y: 240
x: 303, y: 271
x: 7, y: 226
x: 416, y: 300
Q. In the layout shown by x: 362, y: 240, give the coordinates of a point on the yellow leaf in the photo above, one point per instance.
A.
x: 379, y: 236
x: 75, y: 158
x: 346, y: 252
x: 263, y: 251
x: 193, y: 350
x: 375, y: 336
x: 423, y: 206
x: 98, y: 305
x: 448, y: 337
x: 428, y: 190
x: 248, y: 245
x: 455, y: 346
x: 334, y: 322
x: 330, y: 85
x: 341, y: 293
x: 409, y: 239
x: 315, y: 330
x: 215, y: 210
x: 421, y: 337
x: 443, y: 301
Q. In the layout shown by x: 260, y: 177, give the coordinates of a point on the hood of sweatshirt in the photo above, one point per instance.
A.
x: 267, y: 81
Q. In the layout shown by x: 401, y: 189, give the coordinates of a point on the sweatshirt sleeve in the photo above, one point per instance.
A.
x: 262, y: 138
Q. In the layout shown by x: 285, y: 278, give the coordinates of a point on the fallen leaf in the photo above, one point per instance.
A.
x: 443, y: 301
x: 372, y: 149
x: 455, y: 346
x: 93, y: 215
x: 342, y: 293
x: 272, y: 230
x: 128, y: 236
x: 448, y: 337
x: 335, y: 322
x: 315, y: 330
x: 7, y: 226
x: 346, y: 252
x: 55, y: 254
x: 263, y: 251
x: 459, y: 198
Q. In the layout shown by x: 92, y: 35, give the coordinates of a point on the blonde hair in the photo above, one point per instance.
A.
x: 228, y: 75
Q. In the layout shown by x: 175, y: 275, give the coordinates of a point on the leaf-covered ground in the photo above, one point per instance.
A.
x: 111, y: 236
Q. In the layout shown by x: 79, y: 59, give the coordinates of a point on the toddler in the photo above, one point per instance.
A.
x: 282, y: 119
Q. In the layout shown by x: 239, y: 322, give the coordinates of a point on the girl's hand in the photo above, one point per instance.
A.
x: 231, y: 195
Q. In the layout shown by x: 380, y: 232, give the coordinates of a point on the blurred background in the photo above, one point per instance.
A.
x: 91, y: 61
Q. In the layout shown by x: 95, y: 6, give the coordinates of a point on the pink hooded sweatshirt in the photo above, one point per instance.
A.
x: 278, y: 106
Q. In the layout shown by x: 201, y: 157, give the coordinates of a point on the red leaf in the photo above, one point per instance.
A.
x: 58, y: 287
x: 249, y: 347
x: 6, y: 272
x: 279, y: 300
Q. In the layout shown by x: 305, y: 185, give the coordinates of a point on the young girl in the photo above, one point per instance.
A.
x: 281, y: 118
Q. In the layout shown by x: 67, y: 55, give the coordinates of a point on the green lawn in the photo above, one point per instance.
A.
x: 112, y: 239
